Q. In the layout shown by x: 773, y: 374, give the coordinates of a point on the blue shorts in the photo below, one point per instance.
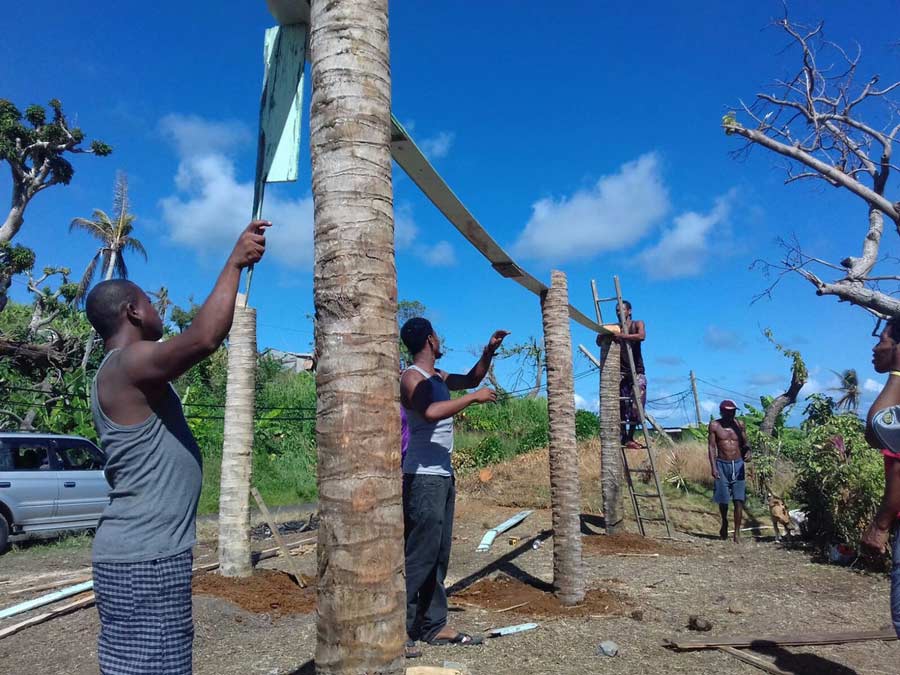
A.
x: 731, y: 485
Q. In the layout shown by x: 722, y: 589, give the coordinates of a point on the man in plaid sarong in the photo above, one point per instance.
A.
x: 142, y: 550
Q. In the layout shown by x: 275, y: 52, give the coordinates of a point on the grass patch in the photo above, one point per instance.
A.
x: 49, y: 544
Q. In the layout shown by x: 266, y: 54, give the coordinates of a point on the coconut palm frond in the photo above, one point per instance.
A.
x: 87, y: 278
x: 135, y: 245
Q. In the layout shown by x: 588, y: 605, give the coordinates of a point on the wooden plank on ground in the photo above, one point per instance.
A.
x: 755, y: 661
x: 86, y: 601
x: 796, y: 640
x: 275, y: 533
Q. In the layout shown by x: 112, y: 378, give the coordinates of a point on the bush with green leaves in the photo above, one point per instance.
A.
x: 840, y: 479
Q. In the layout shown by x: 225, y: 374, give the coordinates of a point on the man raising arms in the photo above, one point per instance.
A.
x: 142, y: 550
x: 429, y: 486
x: 728, y: 450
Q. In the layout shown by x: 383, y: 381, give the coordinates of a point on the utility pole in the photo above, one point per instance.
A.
x: 696, y: 399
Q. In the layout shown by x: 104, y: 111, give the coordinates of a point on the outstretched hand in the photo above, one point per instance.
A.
x: 496, y: 340
x: 251, y: 245
x: 485, y: 395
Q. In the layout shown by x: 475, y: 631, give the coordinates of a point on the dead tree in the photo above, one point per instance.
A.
x: 828, y: 126
x: 789, y: 397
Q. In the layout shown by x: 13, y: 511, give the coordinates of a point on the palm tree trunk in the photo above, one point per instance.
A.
x: 89, y: 345
x: 237, y: 449
x: 361, y: 594
x: 565, y: 491
x: 611, y: 470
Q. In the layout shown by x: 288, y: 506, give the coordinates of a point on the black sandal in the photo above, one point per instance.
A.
x: 411, y: 651
x: 463, y: 639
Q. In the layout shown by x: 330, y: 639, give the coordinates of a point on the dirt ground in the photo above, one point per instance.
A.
x: 642, y: 593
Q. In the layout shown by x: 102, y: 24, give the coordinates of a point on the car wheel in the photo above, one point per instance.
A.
x: 4, y: 534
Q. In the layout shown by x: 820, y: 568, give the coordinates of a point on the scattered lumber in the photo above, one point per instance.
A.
x: 273, y: 526
x: 51, y: 586
x: 755, y: 661
x: 797, y: 640
x: 86, y: 601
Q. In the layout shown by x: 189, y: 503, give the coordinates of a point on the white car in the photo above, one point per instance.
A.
x: 49, y: 483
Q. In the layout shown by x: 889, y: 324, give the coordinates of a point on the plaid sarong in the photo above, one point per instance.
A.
x: 146, y: 625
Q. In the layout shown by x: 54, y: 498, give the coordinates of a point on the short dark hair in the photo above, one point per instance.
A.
x: 627, y: 304
x: 894, y: 325
x: 415, y: 332
x: 105, y: 302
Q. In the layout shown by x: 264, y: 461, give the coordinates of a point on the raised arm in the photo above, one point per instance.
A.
x: 149, y: 363
x: 415, y: 393
x: 473, y: 378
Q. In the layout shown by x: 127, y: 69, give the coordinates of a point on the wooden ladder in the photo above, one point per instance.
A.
x: 638, y: 496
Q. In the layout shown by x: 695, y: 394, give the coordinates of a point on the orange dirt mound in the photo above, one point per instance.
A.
x: 266, y: 592
x: 503, y: 592
x: 629, y: 543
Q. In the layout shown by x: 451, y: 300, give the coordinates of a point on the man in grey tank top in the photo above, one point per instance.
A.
x: 142, y: 551
x: 429, y: 488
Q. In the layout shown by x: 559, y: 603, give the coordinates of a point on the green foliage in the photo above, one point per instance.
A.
x: 840, y: 481
x: 798, y: 366
x: 15, y: 259
x: 29, y: 140
x: 486, y: 434
x: 587, y: 424
x: 730, y: 123
x: 182, y: 317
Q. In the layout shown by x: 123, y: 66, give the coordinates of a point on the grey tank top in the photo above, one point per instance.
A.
x: 430, y: 443
x: 155, y: 471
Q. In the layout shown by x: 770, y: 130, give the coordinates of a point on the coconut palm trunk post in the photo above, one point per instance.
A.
x: 611, y: 469
x: 361, y: 593
x: 565, y: 491
x: 237, y: 447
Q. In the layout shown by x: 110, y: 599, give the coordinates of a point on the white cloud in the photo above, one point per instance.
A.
x: 437, y: 146
x: 439, y: 255
x: 613, y: 214
x: 406, y: 236
x: 721, y: 339
x: 708, y: 407
x: 684, y: 248
x: 194, y: 135
x: 581, y: 403
x: 405, y: 229
x: 872, y: 386
x: 211, y: 206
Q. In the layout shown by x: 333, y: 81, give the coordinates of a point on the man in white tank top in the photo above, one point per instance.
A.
x: 428, y: 483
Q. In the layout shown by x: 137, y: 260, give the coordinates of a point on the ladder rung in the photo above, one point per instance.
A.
x: 646, y: 494
x: 654, y: 520
x: 639, y: 471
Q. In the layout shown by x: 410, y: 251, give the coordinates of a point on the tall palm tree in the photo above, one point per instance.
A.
x: 115, y: 236
x: 361, y: 593
x: 849, y: 391
x: 163, y: 302
x: 611, y: 469
x: 565, y: 491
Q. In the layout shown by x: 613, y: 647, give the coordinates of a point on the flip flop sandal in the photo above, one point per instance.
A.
x: 463, y: 639
x: 411, y: 651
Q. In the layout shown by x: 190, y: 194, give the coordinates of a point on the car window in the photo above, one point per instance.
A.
x: 24, y: 454
x: 79, y: 456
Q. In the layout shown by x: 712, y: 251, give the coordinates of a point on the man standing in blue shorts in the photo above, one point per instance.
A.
x: 728, y: 451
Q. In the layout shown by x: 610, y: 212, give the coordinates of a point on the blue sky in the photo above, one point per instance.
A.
x: 585, y: 138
